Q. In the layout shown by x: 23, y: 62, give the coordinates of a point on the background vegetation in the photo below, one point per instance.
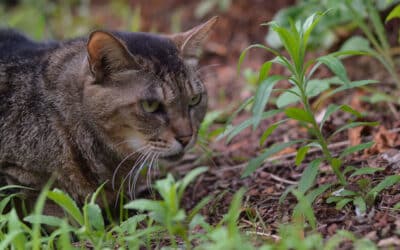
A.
x: 302, y: 84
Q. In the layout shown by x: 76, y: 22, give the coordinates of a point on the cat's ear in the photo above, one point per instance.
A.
x: 190, y: 42
x: 106, y: 54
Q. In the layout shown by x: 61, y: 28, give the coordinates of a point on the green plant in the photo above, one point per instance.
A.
x: 161, y: 224
x: 167, y: 212
x: 346, y: 15
x: 295, y: 41
x: 64, y: 19
x: 376, y: 35
x: 364, y: 194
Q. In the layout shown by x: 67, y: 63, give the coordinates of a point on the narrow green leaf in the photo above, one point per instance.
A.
x: 352, y: 85
x: 242, y: 106
x: 234, y: 131
x: 14, y: 187
x: 206, y: 200
x: 366, y: 170
x: 95, y: 217
x: 298, y: 114
x: 256, y: 162
x: 284, y: 62
x: 144, y: 205
x: 285, y: 193
x: 334, y: 242
x: 5, y: 201
x: 269, y: 131
x: 336, y: 163
x: 333, y: 199
x: 356, y: 43
x: 9, y: 238
x: 350, y: 110
x: 310, y: 24
x: 261, y: 98
x: 289, y: 96
x: 379, y: 28
x: 64, y: 241
x: 67, y: 203
x: 349, y: 169
x: 395, y: 13
x: 304, y: 208
x: 301, y: 154
x: 385, y: 183
x: 40, y: 203
x: 332, y: 108
x: 343, y: 202
x: 260, y: 46
x: 264, y: 71
x: 14, y: 224
x: 234, y: 210
x: 289, y: 41
x: 209, y: 119
x: 309, y: 175
x: 336, y: 66
x: 360, y: 204
x: 352, y: 149
x: 44, y: 219
x: 355, y: 124
x: 344, y: 192
x: 189, y: 177
x: 314, y: 193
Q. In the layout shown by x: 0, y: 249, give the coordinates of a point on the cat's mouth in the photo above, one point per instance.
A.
x: 173, y: 157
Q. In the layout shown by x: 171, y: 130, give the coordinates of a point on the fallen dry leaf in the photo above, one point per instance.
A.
x: 384, y: 140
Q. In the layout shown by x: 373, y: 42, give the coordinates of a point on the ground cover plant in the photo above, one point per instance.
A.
x: 299, y: 164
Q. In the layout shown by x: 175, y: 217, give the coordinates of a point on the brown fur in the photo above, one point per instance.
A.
x: 75, y: 109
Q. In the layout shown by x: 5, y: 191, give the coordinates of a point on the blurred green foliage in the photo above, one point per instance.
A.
x: 43, y: 19
x: 338, y: 18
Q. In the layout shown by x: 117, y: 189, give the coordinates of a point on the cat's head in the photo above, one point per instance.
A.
x: 143, y: 90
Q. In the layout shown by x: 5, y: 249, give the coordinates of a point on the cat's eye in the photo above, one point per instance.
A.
x: 194, y: 100
x: 150, y: 106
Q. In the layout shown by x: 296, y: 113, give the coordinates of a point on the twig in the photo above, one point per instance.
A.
x: 277, y: 178
x: 393, y: 110
x: 267, y: 235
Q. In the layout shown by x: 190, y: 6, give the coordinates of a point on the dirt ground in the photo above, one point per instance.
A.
x: 239, y: 27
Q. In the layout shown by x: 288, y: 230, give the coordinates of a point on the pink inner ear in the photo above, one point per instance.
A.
x: 97, y: 44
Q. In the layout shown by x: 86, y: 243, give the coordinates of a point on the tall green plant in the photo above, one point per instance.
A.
x: 295, y: 41
x: 376, y: 35
x: 348, y: 14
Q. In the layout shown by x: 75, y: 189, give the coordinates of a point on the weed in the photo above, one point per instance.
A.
x: 346, y: 16
x: 295, y: 41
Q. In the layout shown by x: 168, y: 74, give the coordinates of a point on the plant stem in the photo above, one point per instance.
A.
x: 321, y: 139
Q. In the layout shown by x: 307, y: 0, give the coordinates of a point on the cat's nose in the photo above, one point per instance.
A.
x: 184, y: 140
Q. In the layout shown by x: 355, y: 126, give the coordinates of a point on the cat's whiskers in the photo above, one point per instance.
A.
x: 148, y: 178
x: 137, y: 162
x: 125, y: 159
x: 137, y: 171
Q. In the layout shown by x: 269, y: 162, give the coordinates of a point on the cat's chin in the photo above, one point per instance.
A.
x: 174, y: 157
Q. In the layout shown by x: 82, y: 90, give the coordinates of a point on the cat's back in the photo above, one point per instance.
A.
x: 16, y: 46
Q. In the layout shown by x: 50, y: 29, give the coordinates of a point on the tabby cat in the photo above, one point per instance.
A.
x: 97, y: 109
